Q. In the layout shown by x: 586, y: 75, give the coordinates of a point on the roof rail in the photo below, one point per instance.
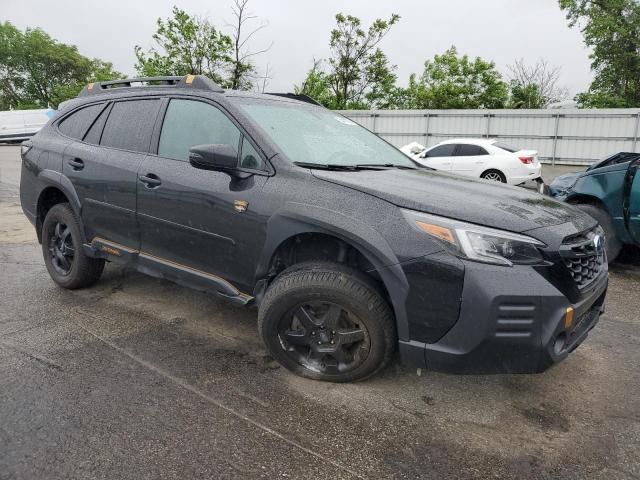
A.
x: 297, y: 96
x: 198, y: 82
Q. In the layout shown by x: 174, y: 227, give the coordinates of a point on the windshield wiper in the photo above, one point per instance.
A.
x: 338, y: 167
x: 387, y: 165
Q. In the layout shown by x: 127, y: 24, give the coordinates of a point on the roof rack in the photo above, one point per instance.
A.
x: 198, y: 82
x: 297, y: 96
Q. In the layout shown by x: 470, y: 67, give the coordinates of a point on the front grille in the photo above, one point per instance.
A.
x: 584, y: 256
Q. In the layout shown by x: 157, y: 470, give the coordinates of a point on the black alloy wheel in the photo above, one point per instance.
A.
x: 61, y: 249
x: 324, y: 337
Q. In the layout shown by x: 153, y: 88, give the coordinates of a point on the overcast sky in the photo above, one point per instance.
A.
x: 497, y: 30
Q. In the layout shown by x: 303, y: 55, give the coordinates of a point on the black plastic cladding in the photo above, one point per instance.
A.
x: 189, y: 230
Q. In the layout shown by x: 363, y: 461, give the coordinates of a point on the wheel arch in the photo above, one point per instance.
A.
x: 300, y: 223
x: 55, y: 189
x: 497, y: 170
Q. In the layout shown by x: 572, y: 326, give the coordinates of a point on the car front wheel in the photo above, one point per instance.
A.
x: 327, y: 322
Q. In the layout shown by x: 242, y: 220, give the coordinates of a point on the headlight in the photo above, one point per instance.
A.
x: 477, y: 243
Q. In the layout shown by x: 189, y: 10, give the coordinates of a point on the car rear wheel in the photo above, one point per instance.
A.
x: 64, y: 258
x: 612, y: 243
x: 494, y: 175
x: 327, y: 322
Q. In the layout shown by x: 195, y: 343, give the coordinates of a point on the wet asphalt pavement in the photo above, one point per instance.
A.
x: 139, y: 378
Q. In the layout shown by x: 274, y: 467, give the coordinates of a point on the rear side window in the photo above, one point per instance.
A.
x: 465, y: 150
x: 130, y: 125
x: 506, y: 147
x: 442, y: 151
x: 94, y: 133
x: 76, y: 124
x: 188, y: 123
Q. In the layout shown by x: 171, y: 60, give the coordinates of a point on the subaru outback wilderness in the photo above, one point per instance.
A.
x: 349, y: 249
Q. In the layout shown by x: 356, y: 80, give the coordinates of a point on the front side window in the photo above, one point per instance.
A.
x: 249, y: 157
x: 76, y: 124
x: 188, y: 123
x: 130, y: 125
x: 442, y: 151
x: 318, y: 136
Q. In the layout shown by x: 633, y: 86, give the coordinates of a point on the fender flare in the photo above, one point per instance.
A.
x: 52, y: 179
x: 297, y: 218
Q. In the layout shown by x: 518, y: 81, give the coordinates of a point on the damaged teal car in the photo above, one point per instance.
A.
x: 609, y: 191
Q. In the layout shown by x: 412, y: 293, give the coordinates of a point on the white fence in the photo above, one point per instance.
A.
x: 571, y: 136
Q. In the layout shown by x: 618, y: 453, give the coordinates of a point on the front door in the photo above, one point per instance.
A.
x: 633, y: 200
x: 469, y: 160
x: 201, y: 221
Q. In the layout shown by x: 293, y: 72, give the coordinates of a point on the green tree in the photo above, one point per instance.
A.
x: 525, y: 95
x: 450, y: 81
x: 358, y: 74
x: 37, y: 71
x: 317, y: 85
x: 187, y: 45
x: 612, y: 29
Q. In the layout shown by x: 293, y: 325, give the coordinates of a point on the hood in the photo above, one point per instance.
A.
x: 476, y: 201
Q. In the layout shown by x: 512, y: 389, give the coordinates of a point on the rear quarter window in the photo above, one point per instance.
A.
x: 77, y: 124
x: 130, y: 125
x: 506, y: 147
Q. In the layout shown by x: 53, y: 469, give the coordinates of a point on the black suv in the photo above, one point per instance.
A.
x: 348, y: 248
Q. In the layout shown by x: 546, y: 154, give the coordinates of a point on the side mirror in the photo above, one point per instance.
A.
x: 221, y: 157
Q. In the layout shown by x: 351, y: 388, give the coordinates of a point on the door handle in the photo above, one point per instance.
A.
x: 150, y: 180
x: 76, y: 164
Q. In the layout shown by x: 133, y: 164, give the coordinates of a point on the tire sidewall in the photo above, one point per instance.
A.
x: 62, y: 213
x: 274, y: 309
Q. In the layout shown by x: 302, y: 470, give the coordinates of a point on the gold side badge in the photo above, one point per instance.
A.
x: 240, y: 205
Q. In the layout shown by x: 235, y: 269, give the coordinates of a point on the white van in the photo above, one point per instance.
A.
x: 18, y: 125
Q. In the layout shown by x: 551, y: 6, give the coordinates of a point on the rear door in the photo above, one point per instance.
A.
x: 440, y: 157
x: 104, y: 166
x: 633, y: 201
x: 469, y: 160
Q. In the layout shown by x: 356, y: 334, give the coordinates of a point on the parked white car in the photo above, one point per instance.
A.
x: 480, y: 158
x: 18, y: 125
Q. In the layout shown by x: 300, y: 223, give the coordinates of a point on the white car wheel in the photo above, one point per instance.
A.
x: 494, y: 175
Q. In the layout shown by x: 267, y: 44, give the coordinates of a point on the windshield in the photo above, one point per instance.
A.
x: 316, y: 136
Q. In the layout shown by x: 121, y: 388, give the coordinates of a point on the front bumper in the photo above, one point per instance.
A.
x: 512, y: 320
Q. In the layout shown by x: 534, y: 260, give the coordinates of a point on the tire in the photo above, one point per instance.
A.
x: 494, y: 175
x: 310, y: 317
x: 612, y: 244
x: 62, y: 249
